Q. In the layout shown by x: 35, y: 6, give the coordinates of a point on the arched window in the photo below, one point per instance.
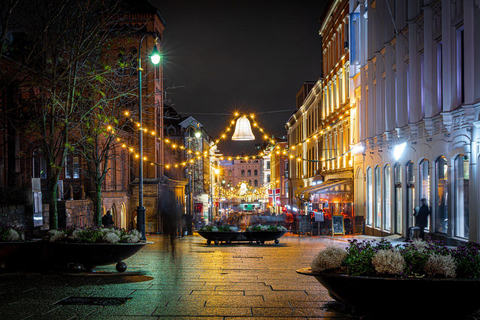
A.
x: 378, y: 197
x: 462, y: 179
x: 249, y: 172
x: 398, y: 199
x: 425, y: 180
x: 441, y: 195
x: 369, y: 196
x: 410, y: 192
x: 243, y: 172
x: 255, y: 172
x: 387, y: 196
x: 255, y: 183
x: 72, y: 167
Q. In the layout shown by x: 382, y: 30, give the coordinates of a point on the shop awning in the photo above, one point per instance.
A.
x: 336, y: 186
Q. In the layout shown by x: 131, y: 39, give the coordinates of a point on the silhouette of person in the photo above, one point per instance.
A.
x: 107, y: 220
x: 169, y: 213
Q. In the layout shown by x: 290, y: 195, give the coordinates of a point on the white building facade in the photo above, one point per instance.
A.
x: 415, y: 82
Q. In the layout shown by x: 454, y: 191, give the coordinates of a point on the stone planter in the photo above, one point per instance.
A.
x: 218, y: 236
x: 406, y: 298
x: 89, y: 255
x: 261, y: 236
x: 19, y: 255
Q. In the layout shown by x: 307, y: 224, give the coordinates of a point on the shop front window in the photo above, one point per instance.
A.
x: 398, y: 199
x: 387, y: 180
x: 378, y: 198
x: 410, y: 192
x: 441, y: 197
x: 369, y: 197
x: 462, y: 180
x: 425, y: 183
x: 425, y: 180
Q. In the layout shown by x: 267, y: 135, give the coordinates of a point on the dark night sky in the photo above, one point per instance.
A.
x: 246, y: 55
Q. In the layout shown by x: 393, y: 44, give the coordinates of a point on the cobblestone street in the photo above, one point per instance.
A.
x: 193, y: 280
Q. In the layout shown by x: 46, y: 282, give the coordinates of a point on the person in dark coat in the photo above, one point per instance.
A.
x: 421, y: 219
x: 107, y: 220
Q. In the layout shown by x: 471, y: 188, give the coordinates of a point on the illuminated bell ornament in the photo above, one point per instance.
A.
x: 243, y: 130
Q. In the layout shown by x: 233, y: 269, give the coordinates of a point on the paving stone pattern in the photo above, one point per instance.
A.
x: 190, y: 281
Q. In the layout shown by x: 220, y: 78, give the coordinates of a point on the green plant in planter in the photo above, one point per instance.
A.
x: 93, y: 235
x: 467, y: 258
x: 225, y: 228
x: 272, y: 228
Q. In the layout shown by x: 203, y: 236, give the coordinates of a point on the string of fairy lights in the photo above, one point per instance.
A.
x: 196, y: 155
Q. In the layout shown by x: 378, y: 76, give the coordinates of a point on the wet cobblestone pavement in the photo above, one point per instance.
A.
x: 192, y: 281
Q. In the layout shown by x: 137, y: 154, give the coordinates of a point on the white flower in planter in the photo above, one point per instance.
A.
x: 439, y: 265
x: 389, y: 262
x: 111, y: 237
x: 13, y: 235
x: 420, y: 245
x: 330, y: 258
x: 56, y: 235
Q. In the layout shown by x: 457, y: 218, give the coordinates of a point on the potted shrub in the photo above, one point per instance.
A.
x: 86, y: 248
x: 261, y: 233
x: 218, y: 234
x: 374, y: 278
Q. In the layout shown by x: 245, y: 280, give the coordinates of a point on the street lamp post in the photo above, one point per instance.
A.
x: 155, y: 58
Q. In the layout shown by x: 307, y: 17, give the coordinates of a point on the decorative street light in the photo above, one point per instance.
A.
x: 155, y: 58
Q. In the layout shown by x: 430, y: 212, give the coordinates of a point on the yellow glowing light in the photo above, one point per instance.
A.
x: 127, y: 113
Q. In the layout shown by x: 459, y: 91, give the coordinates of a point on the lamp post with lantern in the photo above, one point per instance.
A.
x: 155, y: 59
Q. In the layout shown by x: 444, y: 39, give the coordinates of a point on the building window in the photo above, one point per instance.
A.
x: 249, y: 172
x: 255, y: 172
x: 378, y: 197
x: 369, y: 196
x: 387, y: 181
x: 243, y: 172
x: 441, y: 212
x: 39, y: 165
x: 72, y: 167
x: 462, y: 180
x: 255, y: 183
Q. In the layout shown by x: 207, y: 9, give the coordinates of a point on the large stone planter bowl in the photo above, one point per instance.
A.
x: 262, y: 236
x: 18, y: 255
x: 218, y: 236
x: 90, y: 255
x: 407, y: 298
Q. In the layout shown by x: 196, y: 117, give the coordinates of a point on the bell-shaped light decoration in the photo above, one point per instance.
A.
x: 243, y: 130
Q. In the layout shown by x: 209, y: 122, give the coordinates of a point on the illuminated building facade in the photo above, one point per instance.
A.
x: 414, y: 73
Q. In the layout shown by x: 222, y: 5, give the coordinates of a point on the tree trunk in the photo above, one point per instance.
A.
x: 97, y: 218
x: 53, y: 209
